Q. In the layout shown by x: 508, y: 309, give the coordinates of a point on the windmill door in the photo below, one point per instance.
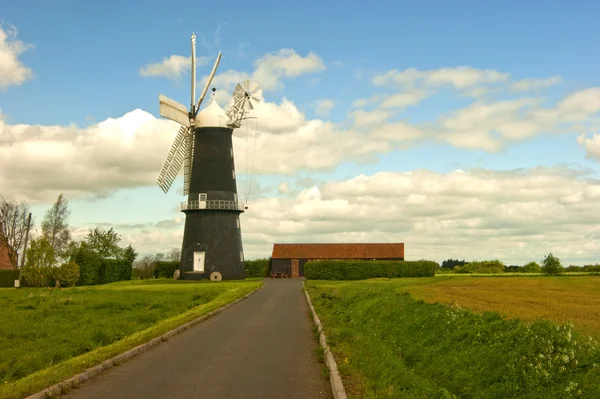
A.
x: 199, y: 261
x: 295, y: 268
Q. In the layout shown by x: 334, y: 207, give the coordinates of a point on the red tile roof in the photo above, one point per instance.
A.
x: 338, y: 251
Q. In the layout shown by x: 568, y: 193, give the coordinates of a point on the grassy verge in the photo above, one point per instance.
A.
x: 391, y: 345
x: 53, y: 335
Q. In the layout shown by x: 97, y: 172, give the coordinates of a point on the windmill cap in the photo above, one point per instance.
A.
x: 212, y: 115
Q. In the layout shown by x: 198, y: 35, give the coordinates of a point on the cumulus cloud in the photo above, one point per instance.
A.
x: 461, y: 77
x: 12, y: 70
x: 37, y: 161
x: 323, y: 107
x: 536, y: 84
x: 270, y: 70
x: 172, y: 67
x: 591, y: 144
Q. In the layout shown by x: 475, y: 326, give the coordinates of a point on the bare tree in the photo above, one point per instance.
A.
x: 55, y: 227
x: 13, y: 222
x: 145, y: 266
x: 174, y: 255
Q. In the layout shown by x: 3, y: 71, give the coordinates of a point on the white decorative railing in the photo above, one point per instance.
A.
x: 212, y: 204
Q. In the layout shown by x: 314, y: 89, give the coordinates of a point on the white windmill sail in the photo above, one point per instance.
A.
x: 175, y: 159
x: 173, y: 110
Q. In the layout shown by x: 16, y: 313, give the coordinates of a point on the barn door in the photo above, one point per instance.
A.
x: 295, y: 268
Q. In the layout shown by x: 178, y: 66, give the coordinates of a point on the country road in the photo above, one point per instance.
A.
x: 261, y: 347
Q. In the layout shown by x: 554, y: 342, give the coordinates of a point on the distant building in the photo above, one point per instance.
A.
x: 5, y: 262
x: 289, y: 259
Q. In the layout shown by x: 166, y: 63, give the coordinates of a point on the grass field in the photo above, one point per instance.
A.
x: 389, y: 344
x: 46, y: 336
x: 560, y: 299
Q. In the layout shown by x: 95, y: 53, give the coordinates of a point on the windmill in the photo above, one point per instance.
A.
x: 212, y: 241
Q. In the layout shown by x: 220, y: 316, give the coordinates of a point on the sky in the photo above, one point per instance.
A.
x: 463, y: 130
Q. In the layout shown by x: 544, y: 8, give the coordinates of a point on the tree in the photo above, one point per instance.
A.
x: 144, y: 267
x: 129, y: 254
x: 104, y: 243
x: 174, y: 255
x: 532, y: 267
x: 551, y: 265
x: 13, y: 222
x: 55, y: 227
x: 452, y: 263
x: 40, y: 259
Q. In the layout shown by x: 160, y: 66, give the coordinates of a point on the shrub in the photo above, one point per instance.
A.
x: 8, y: 277
x: 165, y: 268
x: 67, y: 274
x: 486, y: 266
x: 257, y: 267
x: 551, y: 266
x: 37, y: 276
x: 364, y: 269
x: 532, y: 267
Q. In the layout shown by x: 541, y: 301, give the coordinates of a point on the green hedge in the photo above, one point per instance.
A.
x: 112, y: 270
x: 165, y: 268
x: 364, y: 269
x: 95, y: 270
x: 8, y: 277
x: 257, y: 267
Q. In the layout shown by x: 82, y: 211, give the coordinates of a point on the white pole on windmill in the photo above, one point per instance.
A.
x: 193, y: 101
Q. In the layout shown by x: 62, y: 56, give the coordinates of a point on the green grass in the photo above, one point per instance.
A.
x: 47, y: 336
x: 390, y: 345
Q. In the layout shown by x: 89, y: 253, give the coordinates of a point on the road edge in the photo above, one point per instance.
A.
x: 335, y: 379
x: 65, y: 386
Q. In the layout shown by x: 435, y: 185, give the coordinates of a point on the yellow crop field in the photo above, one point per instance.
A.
x: 559, y: 299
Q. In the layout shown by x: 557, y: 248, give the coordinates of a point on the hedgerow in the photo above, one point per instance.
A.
x: 257, y: 267
x: 8, y: 277
x: 364, y: 269
x: 166, y: 269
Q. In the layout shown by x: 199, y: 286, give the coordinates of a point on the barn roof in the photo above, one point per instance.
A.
x: 338, y: 251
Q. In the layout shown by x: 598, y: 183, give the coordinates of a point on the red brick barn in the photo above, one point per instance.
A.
x: 289, y: 259
x: 5, y: 262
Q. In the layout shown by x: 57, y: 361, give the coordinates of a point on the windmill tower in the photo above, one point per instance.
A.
x: 212, y: 239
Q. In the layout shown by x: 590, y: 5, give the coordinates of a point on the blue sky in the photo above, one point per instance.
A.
x: 86, y: 57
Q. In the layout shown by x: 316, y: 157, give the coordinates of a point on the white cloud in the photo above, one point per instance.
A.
x: 12, y: 70
x: 516, y: 216
x: 460, y: 78
x: 536, y: 84
x: 323, y: 107
x: 591, y: 144
x: 38, y: 161
x: 285, y: 63
x: 172, y: 67
x: 404, y: 99
x: 366, y: 102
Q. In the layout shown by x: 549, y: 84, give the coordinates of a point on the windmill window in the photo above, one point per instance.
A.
x: 234, y: 197
x: 202, y: 197
x: 233, y: 173
x: 231, y: 149
x: 241, y: 256
x: 237, y: 223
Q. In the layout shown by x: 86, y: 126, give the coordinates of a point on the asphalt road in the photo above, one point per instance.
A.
x: 261, y: 347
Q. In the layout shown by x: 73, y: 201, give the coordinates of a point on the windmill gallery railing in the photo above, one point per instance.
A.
x: 212, y: 204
